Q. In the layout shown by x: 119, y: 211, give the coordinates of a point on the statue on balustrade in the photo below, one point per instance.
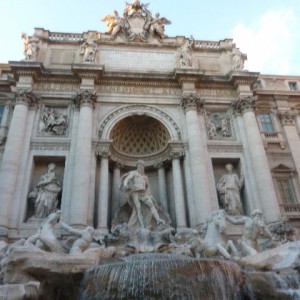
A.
x: 45, y: 194
x: 136, y: 185
x: 30, y: 46
x: 254, y: 228
x: 229, y: 187
x: 184, y: 55
x: 89, y: 48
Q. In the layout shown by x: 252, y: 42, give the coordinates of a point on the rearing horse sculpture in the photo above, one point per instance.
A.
x: 214, y: 244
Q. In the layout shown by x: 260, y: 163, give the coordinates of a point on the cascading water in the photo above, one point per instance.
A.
x: 163, y: 276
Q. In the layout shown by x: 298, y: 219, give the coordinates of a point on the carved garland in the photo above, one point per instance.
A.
x: 288, y: 117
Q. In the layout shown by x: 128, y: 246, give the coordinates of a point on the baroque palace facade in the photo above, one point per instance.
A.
x: 82, y: 109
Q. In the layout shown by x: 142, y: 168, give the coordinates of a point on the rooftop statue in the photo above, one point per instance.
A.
x: 115, y: 24
x: 137, y: 23
x: 89, y: 47
x: 30, y: 46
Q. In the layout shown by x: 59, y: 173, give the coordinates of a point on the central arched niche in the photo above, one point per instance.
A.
x: 139, y: 136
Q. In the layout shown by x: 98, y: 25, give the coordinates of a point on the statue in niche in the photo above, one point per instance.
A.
x: 115, y: 24
x: 89, y: 48
x: 211, y: 128
x: 184, y: 55
x: 136, y: 186
x: 254, y: 228
x: 238, y: 59
x: 30, y: 46
x: 52, y: 122
x: 45, y: 194
x: 229, y: 187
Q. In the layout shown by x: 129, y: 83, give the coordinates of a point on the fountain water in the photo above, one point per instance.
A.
x: 163, y: 276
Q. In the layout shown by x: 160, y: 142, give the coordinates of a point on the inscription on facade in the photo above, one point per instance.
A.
x: 119, y: 59
x: 118, y: 89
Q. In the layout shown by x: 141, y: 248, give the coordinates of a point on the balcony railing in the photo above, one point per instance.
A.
x: 292, y: 210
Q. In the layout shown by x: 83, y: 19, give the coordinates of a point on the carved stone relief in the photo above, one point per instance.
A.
x: 54, y: 121
x: 218, y: 125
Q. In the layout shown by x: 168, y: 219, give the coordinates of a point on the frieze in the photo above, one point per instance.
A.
x: 224, y: 148
x: 50, y: 86
x: 137, y: 90
x: 216, y: 93
x: 50, y: 145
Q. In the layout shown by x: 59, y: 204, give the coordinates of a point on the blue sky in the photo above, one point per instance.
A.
x: 266, y: 30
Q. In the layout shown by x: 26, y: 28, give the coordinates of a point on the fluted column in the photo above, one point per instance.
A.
x: 180, y: 210
x: 162, y: 184
x: 81, y: 178
x: 13, y: 151
x: 103, y: 153
x: 4, y: 121
x: 289, y: 123
x: 116, y: 188
x: 198, y: 160
x: 263, y: 178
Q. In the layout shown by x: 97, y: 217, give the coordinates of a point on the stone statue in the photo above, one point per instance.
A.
x: 157, y: 25
x: 184, y: 55
x: 46, y: 193
x: 136, y: 185
x: 211, y: 128
x: 53, y: 123
x: 30, y: 47
x: 85, y: 238
x: 225, y: 126
x: 214, y: 243
x: 238, y: 59
x: 45, y: 238
x: 135, y: 8
x: 89, y: 47
x: 115, y: 24
x: 254, y: 228
x: 229, y: 187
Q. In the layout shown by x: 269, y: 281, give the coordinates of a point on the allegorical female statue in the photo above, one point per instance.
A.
x: 45, y: 194
x: 229, y: 187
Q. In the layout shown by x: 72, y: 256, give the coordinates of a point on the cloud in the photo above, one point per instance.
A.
x: 270, y: 42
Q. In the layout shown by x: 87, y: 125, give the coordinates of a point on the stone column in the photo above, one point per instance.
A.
x: 13, y: 151
x: 103, y: 209
x: 3, y: 124
x: 116, y: 188
x: 263, y: 178
x: 198, y: 159
x: 162, y: 184
x: 289, y: 122
x: 178, y: 190
x: 81, y: 177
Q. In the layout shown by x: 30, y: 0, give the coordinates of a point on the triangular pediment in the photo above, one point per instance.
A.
x: 281, y: 168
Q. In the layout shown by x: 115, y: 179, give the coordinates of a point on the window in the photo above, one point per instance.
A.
x: 266, y: 123
x: 286, y: 190
x: 293, y: 86
x: 1, y: 112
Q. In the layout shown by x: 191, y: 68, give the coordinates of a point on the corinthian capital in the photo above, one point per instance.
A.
x: 244, y: 104
x: 190, y: 101
x: 24, y: 96
x: 288, y: 117
x: 85, y: 98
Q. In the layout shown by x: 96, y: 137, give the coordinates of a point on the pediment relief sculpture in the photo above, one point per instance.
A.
x: 137, y: 23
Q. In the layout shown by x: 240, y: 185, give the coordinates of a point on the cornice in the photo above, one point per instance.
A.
x: 243, y: 78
